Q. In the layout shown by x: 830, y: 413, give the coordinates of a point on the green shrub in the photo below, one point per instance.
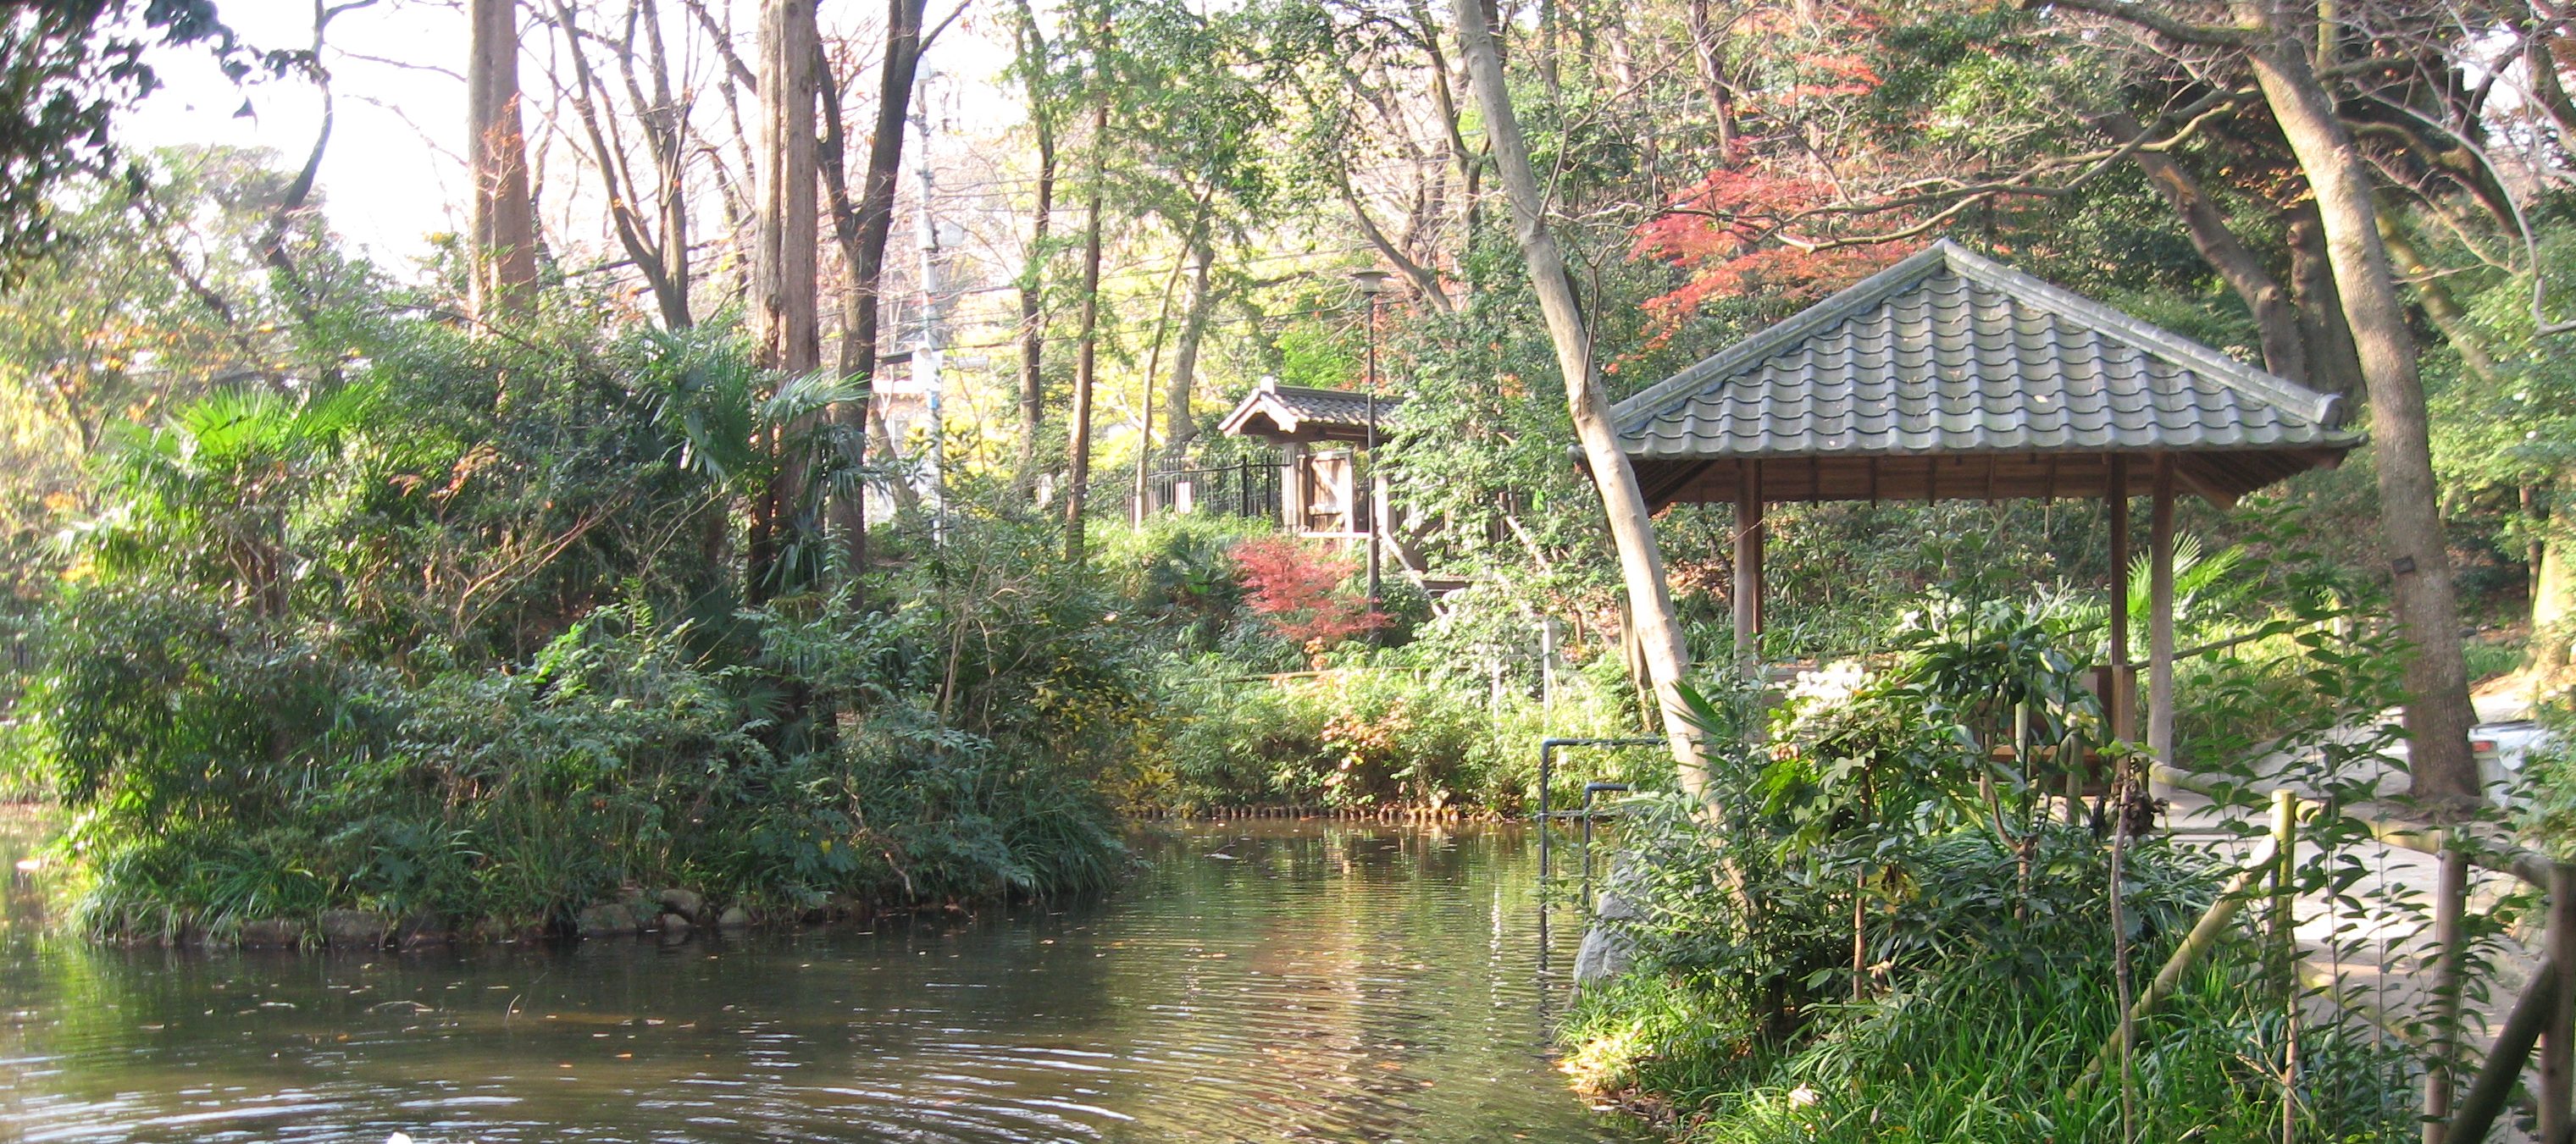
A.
x: 494, y: 628
x: 1381, y: 734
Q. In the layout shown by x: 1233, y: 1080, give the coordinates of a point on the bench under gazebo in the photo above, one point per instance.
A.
x: 1949, y: 376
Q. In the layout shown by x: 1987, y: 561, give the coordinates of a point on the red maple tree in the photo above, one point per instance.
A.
x: 1298, y: 590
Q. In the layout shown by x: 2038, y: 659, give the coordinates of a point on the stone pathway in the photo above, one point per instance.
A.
x: 2366, y: 950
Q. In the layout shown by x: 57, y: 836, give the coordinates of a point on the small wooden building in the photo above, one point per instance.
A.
x: 1324, y: 436
x: 1950, y: 376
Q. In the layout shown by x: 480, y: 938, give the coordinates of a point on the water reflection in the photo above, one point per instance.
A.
x: 1263, y: 981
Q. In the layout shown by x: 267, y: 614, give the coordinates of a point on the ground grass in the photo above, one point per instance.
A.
x: 1980, y: 1058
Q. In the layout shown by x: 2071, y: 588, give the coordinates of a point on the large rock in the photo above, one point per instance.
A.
x: 734, y: 917
x: 606, y: 919
x: 355, y: 929
x: 1621, y: 888
x: 1606, y: 950
x: 689, y: 904
x: 270, y: 933
x: 1605, y: 954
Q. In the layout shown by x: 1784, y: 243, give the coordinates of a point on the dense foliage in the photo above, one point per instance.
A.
x: 1892, y: 934
x: 468, y: 634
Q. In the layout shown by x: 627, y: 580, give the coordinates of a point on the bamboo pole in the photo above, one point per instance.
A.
x: 2204, y: 935
x: 2450, y: 895
x: 2285, y: 948
x: 2558, y: 1037
x: 2494, y: 1084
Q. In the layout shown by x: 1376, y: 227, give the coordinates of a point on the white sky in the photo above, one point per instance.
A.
x: 397, y: 141
x: 394, y: 171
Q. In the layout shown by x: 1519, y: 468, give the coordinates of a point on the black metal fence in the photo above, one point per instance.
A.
x: 1247, y: 488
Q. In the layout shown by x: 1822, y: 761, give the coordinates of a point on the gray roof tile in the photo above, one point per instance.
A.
x: 1947, y: 352
x: 1304, y: 413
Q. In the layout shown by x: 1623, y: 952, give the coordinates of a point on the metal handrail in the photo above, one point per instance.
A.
x: 1546, y: 770
x: 1589, y: 790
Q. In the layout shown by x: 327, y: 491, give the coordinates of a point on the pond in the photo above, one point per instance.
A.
x: 1257, y: 981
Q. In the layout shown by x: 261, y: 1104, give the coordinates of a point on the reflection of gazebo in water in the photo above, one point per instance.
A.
x: 1948, y: 376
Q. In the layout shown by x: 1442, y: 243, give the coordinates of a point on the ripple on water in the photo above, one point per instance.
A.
x: 1332, y: 983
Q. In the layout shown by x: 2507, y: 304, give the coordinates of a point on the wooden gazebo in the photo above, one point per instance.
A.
x: 1324, y: 436
x: 1950, y: 376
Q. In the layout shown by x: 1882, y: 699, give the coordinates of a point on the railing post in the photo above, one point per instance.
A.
x: 2557, y: 1053
x: 1546, y: 748
x: 2450, y: 894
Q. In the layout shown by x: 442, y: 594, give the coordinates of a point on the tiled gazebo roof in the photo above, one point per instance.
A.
x: 1284, y: 413
x: 1952, y: 376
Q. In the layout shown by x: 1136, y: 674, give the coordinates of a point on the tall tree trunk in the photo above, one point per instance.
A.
x: 1180, y: 426
x: 1087, y: 353
x: 2334, y: 364
x: 504, y: 224
x: 1708, y: 58
x: 2436, y: 299
x: 786, y: 329
x: 2438, y: 715
x: 1641, y: 564
x: 861, y: 229
x: 2276, y: 318
x: 1086, y: 360
x: 668, y: 127
x: 1032, y: 284
x: 785, y: 322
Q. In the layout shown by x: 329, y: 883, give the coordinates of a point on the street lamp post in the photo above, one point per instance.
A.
x: 1372, y: 286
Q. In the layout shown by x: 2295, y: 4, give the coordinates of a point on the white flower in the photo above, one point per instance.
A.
x: 1832, y: 684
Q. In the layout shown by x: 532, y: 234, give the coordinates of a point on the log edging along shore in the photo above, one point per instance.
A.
x: 1385, y: 814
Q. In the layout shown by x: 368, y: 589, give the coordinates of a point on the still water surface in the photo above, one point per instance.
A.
x: 1258, y: 981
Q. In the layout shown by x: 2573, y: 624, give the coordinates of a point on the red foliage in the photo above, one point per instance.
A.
x: 1723, y: 231
x: 1297, y: 590
x: 1753, y: 225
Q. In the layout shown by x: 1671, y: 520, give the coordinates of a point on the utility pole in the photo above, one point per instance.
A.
x: 927, y: 355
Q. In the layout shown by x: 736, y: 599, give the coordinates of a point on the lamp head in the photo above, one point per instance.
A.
x: 1370, y: 281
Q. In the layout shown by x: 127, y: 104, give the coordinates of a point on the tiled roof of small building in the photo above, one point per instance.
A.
x: 1303, y: 413
x: 1950, y: 353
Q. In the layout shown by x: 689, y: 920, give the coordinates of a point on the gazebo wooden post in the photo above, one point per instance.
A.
x: 2122, y: 700
x: 1748, y: 569
x: 1292, y: 487
x: 2160, y: 615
